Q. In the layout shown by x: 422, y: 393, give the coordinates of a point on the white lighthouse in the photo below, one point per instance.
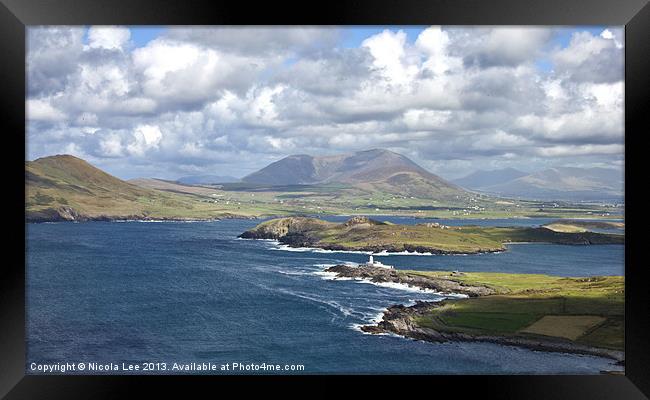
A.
x: 372, y: 263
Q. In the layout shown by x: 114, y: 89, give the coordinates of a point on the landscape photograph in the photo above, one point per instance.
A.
x: 325, y: 200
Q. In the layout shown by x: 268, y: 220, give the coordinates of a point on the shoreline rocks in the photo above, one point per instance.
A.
x: 378, y: 274
x: 69, y: 214
x: 399, y: 319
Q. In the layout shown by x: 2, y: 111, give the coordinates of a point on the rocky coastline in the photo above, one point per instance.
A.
x: 401, y: 319
x: 292, y: 234
x: 363, y: 234
x: 69, y: 214
x: 379, y: 275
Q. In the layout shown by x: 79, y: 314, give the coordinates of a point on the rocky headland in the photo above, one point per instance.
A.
x: 378, y: 275
x: 402, y: 320
x: 411, y: 321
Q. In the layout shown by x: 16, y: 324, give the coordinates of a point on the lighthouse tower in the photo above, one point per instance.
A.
x: 372, y: 263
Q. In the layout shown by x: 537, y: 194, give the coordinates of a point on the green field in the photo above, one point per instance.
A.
x: 583, y: 226
x: 526, y: 299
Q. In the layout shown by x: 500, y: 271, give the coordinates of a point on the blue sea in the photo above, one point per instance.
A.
x: 176, y: 292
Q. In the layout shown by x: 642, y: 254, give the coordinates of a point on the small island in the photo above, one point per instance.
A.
x: 364, y: 234
x: 541, y: 312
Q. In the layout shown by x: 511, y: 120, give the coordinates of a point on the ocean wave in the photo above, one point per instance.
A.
x: 401, y: 286
x: 285, y: 247
x: 333, y: 276
x: 377, y: 318
x: 346, y: 311
x: 330, y: 276
x: 382, y: 253
x: 338, y: 262
x: 297, y: 273
x: 357, y: 327
x: 169, y: 221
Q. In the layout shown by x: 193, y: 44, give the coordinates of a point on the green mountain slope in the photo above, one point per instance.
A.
x: 64, y: 187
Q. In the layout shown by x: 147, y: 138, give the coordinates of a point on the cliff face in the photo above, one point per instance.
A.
x: 282, y: 227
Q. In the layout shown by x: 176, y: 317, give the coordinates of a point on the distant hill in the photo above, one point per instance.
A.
x: 483, y: 179
x: 206, y: 179
x: 563, y: 183
x: 172, y: 186
x: 67, y: 188
x: 370, y: 170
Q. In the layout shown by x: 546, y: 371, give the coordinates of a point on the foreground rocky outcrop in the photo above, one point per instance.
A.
x: 418, y: 321
x: 401, y: 320
x: 378, y: 274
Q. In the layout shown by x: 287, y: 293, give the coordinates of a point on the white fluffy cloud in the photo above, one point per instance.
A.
x: 42, y: 110
x: 108, y: 37
x: 233, y: 99
x: 145, y: 137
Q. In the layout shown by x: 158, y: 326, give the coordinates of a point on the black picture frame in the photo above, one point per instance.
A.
x: 15, y: 15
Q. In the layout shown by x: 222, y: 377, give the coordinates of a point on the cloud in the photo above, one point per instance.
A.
x: 590, y: 58
x: 506, y: 46
x: 265, y: 41
x: 182, y: 74
x: 52, y: 55
x: 111, y: 145
x: 108, y: 37
x: 42, y: 110
x: 231, y: 99
x: 572, y: 150
x: 145, y: 137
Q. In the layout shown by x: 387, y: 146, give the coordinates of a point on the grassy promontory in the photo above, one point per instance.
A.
x: 364, y: 234
x: 578, y: 315
x: 583, y: 226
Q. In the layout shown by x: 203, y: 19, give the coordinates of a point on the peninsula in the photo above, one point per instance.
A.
x: 365, y: 234
x: 542, y: 312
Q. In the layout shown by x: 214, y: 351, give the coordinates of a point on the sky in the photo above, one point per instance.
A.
x: 168, y: 102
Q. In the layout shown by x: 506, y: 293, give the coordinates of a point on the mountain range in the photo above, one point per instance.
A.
x: 561, y: 183
x: 65, y: 187
x: 484, y: 179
